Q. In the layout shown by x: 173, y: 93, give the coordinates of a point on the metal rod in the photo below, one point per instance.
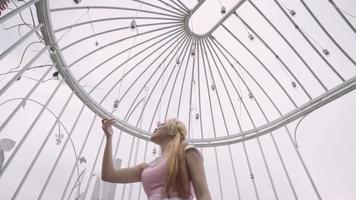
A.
x: 342, y: 16
x: 109, y: 8
x: 311, y: 44
x: 190, y: 97
x: 213, y: 82
x: 23, y: 139
x: 180, y: 14
x: 92, y: 169
x: 79, y: 155
x: 182, y: 85
x: 22, y: 39
x: 61, y: 153
x: 119, y: 29
x: 182, y: 41
x: 128, y: 116
x: 135, y: 161
x: 139, y: 121
x: 169, y: 5
x: 109, y: 19
x: 112, y: 88
x: 47, y: 137
x: 117, y: 41
x: 278, y: 151
x: 181, y: 6
x: 131, y: 85
x: 155, y: 85
x: 284, y: 166
x: 275, y: 54
x: 327, y: 33
x: 304, y: 165
x: 289, y: 44
x: 121, y: 52
x: 17, y: 76
x: 200, y: 3
x: 314, y: 104
x: 175, y: 79
x: 8, y: 119
x: 238, y: 122
x: 260, y: 146
x: 33, y: 161
x: 199, y: 93
x: 263, y: 65
x: 200, y: 46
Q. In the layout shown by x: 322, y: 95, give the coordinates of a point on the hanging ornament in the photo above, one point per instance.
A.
x: 154, y: 150
x: 251, y: 37
x: 133, y: 25
x: 250, y: 95
x: 59, y: 138
x: 52, y: 50
x: 326, y: 52
x: 292, y: 12
x: 213, y: 87
x: 294, y: 85
x: 197, y: 115
x: 177, y: 61
x: 116, y: 103
x: 82, y: 160
x: 223, y: 10
x: 55, y: 74
x: 192, y: 51
x: 77, y: 1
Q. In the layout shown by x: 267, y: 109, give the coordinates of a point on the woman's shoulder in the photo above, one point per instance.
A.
x: 189, y: 146
x: 194, y: 148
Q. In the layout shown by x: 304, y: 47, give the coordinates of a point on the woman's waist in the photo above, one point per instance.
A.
x: 158, y: 191
x: 157, y: 194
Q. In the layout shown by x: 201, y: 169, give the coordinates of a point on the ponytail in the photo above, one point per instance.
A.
x: 177, y: 176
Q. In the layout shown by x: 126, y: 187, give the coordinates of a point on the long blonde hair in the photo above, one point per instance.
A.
x: 177, y: 176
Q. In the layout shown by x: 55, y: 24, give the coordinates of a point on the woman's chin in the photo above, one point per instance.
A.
x: 153, y: 138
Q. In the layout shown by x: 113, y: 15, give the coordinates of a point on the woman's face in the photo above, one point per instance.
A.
x: 160, y: 133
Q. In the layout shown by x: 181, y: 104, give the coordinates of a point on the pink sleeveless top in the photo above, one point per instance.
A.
x: 153, y: 178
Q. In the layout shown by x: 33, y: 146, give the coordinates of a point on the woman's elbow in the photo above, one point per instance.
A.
x: 204, y: 196
x: 105, y: 177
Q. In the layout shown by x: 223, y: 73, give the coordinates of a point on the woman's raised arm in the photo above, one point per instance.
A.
x: 108, y: 172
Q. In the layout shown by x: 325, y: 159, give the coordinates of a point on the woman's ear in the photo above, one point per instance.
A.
x: 172, y: 132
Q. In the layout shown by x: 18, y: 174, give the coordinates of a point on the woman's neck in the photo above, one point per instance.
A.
x: 164, y: 150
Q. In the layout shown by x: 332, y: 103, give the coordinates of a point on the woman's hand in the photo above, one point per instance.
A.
x: 107, y: 126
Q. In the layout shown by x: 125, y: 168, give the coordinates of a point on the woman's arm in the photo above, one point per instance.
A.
x: 196, y: 170
x: 108, y: 172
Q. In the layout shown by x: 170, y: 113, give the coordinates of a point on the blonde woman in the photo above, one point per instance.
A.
x: 177, y: 174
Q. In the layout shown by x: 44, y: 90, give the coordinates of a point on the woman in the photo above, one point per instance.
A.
x: 178, y: 173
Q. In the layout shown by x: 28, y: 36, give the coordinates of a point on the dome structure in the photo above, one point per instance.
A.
x: 242, y: 75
